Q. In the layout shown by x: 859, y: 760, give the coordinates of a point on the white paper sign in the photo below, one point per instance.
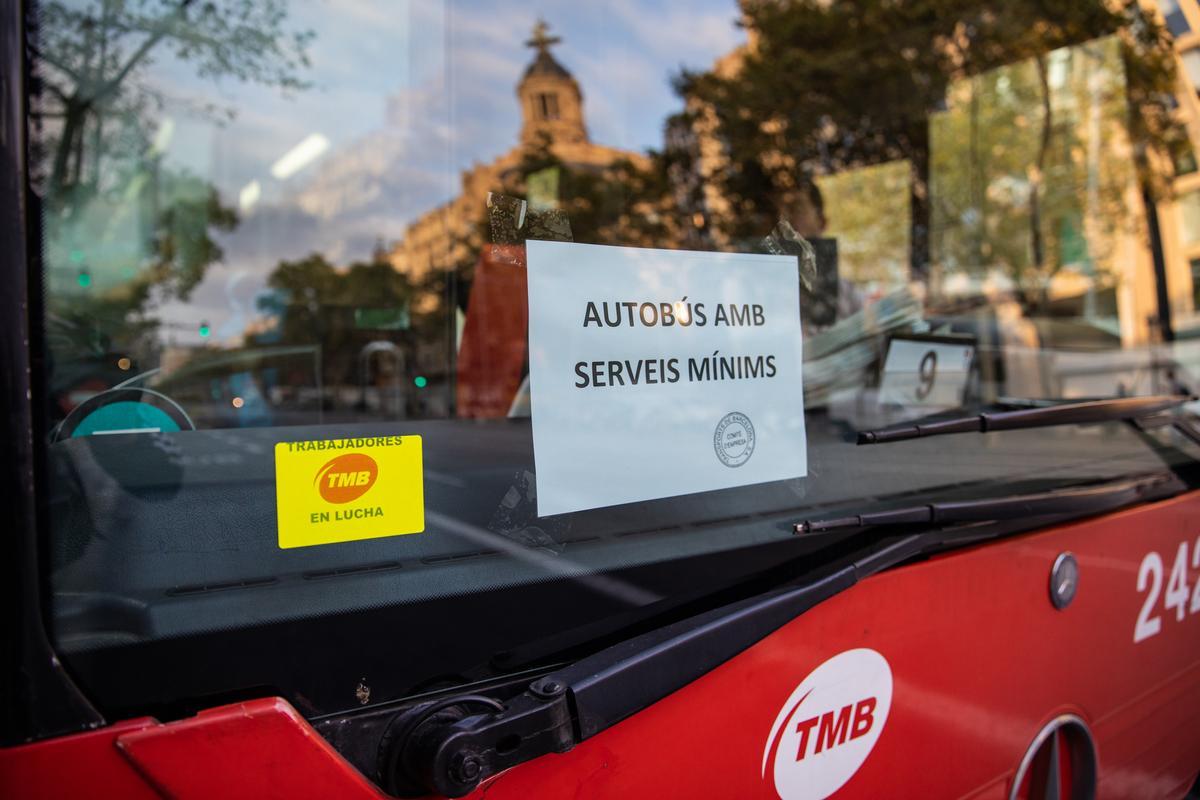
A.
x: 927, y: 375
x: 656, y: 373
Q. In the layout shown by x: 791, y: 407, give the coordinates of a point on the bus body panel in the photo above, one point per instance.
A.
x: 980, y: 660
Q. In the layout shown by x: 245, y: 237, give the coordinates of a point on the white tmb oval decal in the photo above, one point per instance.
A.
x: 826, y: 729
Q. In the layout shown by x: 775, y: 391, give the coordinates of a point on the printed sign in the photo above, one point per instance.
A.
x: 656, y: 373
x: 828, y: 726
x: 926, y: 373
x: 343, y: 490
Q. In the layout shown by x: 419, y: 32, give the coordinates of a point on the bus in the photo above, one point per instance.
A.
x: 776, y: 398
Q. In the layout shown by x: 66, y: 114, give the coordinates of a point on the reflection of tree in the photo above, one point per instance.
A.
x: 1024, y: 185
x: 620, y: 203
x: 1037, y: 194
x: 123, y: 229
x: 313, y: 303
x: 93, y: 62
x: 867, y: 212
x: 174, y: 253
x: 833, y: 86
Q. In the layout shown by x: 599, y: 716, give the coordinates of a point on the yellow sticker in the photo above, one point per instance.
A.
x: 343, y: 490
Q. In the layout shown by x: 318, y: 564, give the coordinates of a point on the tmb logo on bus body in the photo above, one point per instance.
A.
x: 346, y: 478
x: 828, y: 726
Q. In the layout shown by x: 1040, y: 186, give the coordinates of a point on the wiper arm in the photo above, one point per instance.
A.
x: 449, y: 757
x: 1087, y: 500
x: 424, y: 748
x: 1109, y: 410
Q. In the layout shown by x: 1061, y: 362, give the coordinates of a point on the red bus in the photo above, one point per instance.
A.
x: 783, y: 399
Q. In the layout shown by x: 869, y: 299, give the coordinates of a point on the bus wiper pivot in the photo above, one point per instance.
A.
x: 575, y: 702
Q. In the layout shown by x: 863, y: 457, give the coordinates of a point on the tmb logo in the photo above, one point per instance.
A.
x: 347, y: 477
x: 826, y: 729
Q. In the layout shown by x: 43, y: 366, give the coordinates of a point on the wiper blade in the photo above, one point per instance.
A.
x: 431, y: 752
x: 1109, y: 410
x: 1086, y: 500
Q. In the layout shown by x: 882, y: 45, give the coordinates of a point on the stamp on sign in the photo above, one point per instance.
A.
x: 734, y: 439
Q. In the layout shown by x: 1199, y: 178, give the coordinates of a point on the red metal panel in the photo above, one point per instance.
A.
x: 979, y: 661
x: 256, y: 750
x: 86, y: 765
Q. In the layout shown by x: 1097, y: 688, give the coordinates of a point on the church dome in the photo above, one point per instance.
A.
x: 546, y: 65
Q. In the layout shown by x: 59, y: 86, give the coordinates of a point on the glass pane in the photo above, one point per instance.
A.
x: 1183, y: 156
x: 1194, y: 266
x: 1189, y: 208
x: 1191, y: 64
x: 283, y: 239
x: 1176, y: 21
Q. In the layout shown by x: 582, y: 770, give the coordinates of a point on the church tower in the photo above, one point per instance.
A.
x: 550, y: 97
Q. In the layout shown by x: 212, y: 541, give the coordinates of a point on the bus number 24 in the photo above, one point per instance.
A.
x: 1150, y: 579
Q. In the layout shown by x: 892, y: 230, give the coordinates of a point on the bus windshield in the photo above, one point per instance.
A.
x: 358, y: 318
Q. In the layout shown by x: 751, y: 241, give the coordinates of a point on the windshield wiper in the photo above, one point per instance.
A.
x: 1075, y: 501
x: 1109, y: 410
x: 449, y: 744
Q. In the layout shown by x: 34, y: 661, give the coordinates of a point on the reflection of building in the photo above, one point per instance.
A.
x: 551, y: 109
x: 1180, y: 218
x: 1046, y: 207
x: 1035, y: 195
x: 699, y: 156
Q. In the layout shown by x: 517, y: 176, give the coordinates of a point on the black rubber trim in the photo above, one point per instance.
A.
x: 37, y: 697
